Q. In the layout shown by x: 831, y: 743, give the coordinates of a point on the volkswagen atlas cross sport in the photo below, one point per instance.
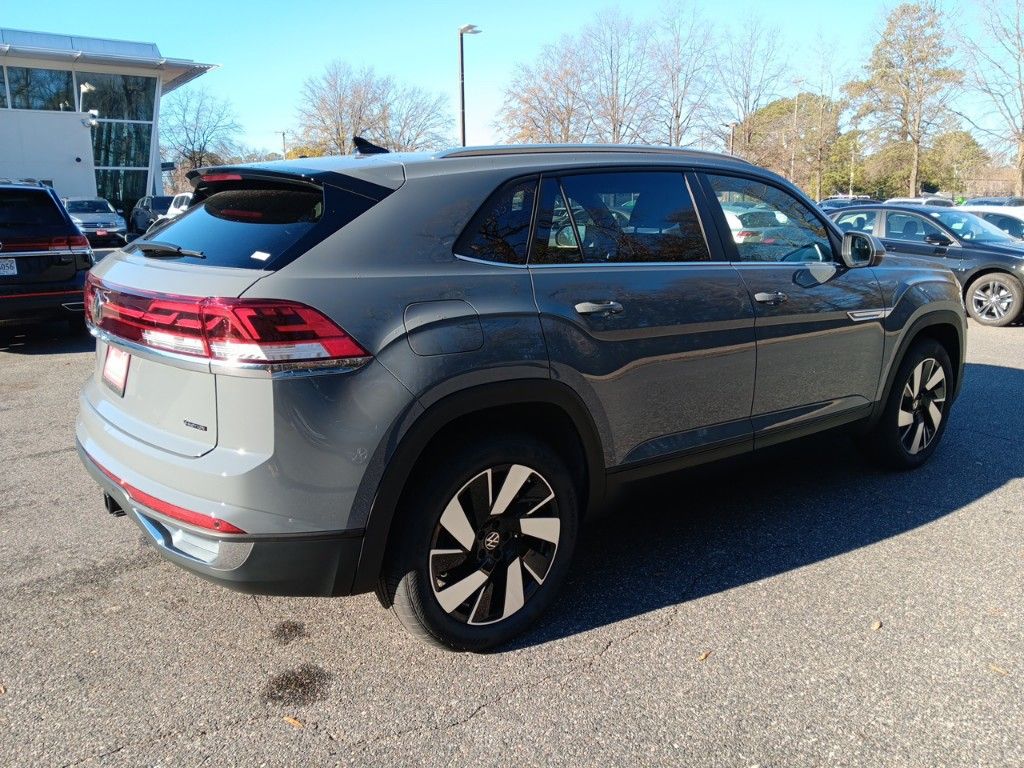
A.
x: 418, y: 373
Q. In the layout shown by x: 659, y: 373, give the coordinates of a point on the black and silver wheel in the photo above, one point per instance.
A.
x: 995, y: 299
x: 488, y: 541
x: 916, y: 412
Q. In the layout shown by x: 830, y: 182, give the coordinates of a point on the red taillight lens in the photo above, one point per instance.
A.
x: 745, y: 233
x: 223, y: 329
x: 166, y: 508
x: 212, y: 178
x: 59, y: 243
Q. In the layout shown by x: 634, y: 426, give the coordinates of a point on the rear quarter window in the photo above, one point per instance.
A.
x: 500, y: 230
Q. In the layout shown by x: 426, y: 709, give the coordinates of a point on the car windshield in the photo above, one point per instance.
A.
x: 972, y: 228
x: 89, y: 206
x: 161, y: 204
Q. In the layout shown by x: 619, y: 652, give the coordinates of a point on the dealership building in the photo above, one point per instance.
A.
x: 81, y: 113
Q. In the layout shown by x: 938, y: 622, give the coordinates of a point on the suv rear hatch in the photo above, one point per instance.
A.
x: 171, y: 301
x: 39, y: 244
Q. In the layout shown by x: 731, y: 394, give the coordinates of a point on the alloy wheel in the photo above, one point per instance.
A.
x: 494, y: 544
x: 992, y: 300
x: 922, y: 406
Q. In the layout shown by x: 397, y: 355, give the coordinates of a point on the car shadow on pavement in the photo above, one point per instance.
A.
x: 44, y: 339
x: 710, y: 529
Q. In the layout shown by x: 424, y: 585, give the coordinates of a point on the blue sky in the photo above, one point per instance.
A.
x: 267, y: 49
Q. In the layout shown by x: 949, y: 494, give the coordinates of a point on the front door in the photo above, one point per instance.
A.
x: 916, y: 235
x: 654, y: 334
x: 818, y: 323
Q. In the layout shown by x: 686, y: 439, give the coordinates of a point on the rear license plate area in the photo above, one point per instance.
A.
x: 115, y: 369
x: 8, y: 267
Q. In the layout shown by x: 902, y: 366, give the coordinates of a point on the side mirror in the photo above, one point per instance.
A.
x: 939, y: 240
x: 861, y: 250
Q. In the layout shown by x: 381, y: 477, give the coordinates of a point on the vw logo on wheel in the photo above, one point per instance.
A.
x: 492, y: 540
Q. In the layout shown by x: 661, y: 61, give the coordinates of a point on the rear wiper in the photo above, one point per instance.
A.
x: 156, y: 249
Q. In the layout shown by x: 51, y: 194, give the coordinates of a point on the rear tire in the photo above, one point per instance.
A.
x: 995, y: 299
x: 487, y: 535
x: 916, y: 412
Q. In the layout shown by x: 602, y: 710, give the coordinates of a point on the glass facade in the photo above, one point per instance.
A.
x: 123, y: 105
x: 121, y: 188
x: 124, y: 145
x: 117, y: 97
x: 50, y: 89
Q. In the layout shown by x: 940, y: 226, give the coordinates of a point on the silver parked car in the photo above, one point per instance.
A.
x: 418, y: 374
x: 98, y: 220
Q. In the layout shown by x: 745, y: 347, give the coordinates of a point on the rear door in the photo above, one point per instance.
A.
x: 819, y: 324
x: 35, y: 239
x: 654, y: 334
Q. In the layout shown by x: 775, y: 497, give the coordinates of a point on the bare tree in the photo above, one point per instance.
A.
x: 620, y: 82
x: 546, y: 102
x: 343, y: 102
x: 683, y: 66
x: 998, y: 75
x: 909, y: 81
x: 749, y: 72
x: 197, y: 128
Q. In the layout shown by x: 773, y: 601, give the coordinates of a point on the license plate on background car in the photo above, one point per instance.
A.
x: 115, y: 369
x: 8, y: 267
x: 101, y: 232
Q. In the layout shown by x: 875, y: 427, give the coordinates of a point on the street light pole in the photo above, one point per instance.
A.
x: 465, y: 29
x: 732, y: 135
x: 796, y: 110
x: 284, y: 147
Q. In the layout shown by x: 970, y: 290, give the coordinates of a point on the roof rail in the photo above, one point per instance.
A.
x: 531, y: 149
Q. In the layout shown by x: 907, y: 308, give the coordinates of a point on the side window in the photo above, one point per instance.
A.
x: 630, y: 217
x: 500, y: 230
x: 768, y: 224
x: 908, y: 227
x: 857, y: 221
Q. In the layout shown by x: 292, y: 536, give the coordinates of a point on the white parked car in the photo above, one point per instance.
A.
x: 1009, y: 218
x: 179, y: 204
x: 923, y: 200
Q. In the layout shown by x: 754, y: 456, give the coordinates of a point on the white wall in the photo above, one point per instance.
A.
x: 48, y: 145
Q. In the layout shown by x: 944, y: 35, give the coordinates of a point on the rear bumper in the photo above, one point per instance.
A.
x: 40, y: 301
x: 318, y: 564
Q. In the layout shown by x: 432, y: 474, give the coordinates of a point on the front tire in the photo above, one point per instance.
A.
x: 915, y: 415
x: 995, y: 299
x: 488, y: 535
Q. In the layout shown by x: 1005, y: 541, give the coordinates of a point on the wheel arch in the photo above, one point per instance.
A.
x: 944, y: 326
x: 565, y: 423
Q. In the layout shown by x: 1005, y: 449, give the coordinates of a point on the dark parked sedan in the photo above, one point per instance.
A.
x: 988, y: 263
x: 146, y: 211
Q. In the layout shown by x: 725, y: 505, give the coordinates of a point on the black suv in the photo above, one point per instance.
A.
x: 146, y: 211
x: 987, y: 262
x: 43, y: 256
x: 418, y: 373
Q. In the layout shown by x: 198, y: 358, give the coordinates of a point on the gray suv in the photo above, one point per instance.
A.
x: 418, y: 374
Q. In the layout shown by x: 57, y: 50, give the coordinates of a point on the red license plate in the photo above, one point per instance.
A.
x: 101, y: 232
x: 115, y: 369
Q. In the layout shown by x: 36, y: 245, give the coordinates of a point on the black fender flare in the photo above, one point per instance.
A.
x: 418, y: 435
x: 945, y: 317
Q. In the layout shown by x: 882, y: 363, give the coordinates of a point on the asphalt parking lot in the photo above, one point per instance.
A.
x: 798, y: 609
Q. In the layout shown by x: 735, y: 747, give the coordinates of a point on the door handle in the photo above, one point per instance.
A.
x: 772, y: 299
x: 598, y: 308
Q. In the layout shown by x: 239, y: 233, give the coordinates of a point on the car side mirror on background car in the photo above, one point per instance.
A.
x: 861, y: 250
x: 940, y: 240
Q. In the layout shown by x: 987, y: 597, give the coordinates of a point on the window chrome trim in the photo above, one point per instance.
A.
x: 281, y: 370
x: 475, y: 260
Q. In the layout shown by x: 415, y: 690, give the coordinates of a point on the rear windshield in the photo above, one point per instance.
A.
x: 27, y: 208
x: 257, y: 228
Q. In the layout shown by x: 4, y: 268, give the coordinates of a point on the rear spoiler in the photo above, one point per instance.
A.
x: 206, y: 181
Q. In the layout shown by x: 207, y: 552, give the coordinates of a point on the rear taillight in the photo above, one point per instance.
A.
x: 197, y: 519
x: 745, y: 233
x: 223, y: 329
x: 59, y: 243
